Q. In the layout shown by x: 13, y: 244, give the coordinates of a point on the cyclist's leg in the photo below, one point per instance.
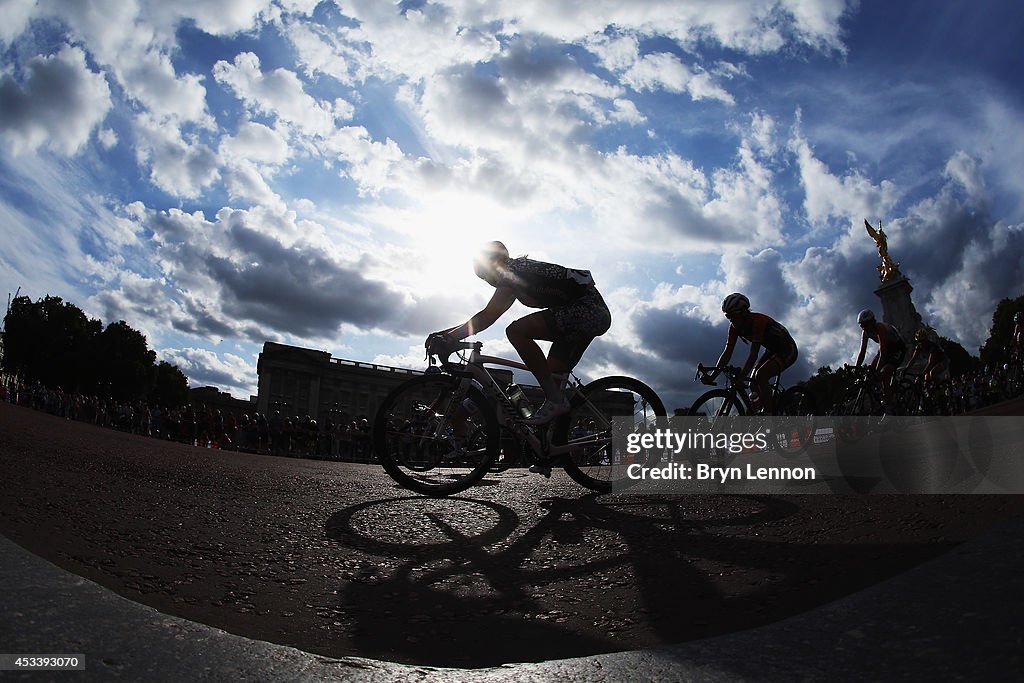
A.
x: 772, y: 364
x: 523, y: 334
x: 886, y: 372
x: 769, y: 366
x: 570, y: 328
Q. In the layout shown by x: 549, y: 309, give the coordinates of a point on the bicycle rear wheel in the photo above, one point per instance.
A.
x: 435, y: 435
x: 593, y: 461
x: 857, y: 416
x: 794, y: 423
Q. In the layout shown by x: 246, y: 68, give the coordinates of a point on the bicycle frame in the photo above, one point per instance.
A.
x: 473, y: 369
x: 739, y: 386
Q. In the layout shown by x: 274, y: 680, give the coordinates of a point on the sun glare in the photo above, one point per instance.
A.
x: 449, y: 233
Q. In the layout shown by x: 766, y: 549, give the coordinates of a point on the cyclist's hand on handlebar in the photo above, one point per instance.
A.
x: 437, y: 343
x: 709, y: 375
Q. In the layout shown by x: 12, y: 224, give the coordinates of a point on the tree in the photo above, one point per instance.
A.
x: 53, y: 342
x: 171, y: 386
x: 829, y: 387
x: 126, y: 361
x: 960, y: 361
x: 994, y: 351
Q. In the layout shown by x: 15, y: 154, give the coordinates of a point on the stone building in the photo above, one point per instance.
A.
x: 298, y: 381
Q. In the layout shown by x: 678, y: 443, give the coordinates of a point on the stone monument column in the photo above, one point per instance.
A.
x: 897, y: 307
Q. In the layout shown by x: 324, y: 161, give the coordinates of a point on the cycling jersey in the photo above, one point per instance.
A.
x: 542, y: 285
x: 889, y: 340
x: 758, y: 328
x: 574, y: 310
x: 929, y: 348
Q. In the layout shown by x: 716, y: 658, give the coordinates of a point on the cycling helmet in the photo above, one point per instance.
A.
x: 485, y: 266
x: 1016, y: 317
x: 921, y: 335
x: 734, y: 303
x: 865, y: 316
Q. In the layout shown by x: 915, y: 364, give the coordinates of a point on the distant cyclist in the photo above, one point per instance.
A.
x: 759, y: 330
x: 1017, y: 338
x: 574, y: 314
x: 891, y: 349
x: 936, y: 369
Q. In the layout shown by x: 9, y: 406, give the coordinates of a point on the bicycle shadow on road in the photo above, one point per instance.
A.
x: 468, y: 582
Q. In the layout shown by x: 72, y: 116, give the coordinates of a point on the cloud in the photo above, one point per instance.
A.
x: 850, y: 198
x: 203, y: 367
x: 182, y: 167
x: 250, y: 274
x: 279, y: 94
x: 58, y: 104
x: 665, y: 70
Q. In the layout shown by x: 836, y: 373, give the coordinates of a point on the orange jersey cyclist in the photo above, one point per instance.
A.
x: 759, y: 330
x: 935, y: 370
x: 573, y: 315
x: 891, y: 349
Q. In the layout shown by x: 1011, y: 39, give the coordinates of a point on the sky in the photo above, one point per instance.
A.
x: 224, y: 174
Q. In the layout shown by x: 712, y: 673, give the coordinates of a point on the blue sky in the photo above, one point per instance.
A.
x: 318, y: 173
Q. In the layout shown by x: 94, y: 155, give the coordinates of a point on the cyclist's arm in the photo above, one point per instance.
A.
x: 726, y: 356
x: 501, y: 301
x: 863, y: 348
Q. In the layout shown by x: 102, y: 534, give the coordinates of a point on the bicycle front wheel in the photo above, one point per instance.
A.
x: 715, y: 407
x: 436, y: 435
x: 592, y: 460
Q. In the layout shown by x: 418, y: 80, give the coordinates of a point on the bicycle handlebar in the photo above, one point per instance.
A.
x: 704, y: 373
x: 437, y: 345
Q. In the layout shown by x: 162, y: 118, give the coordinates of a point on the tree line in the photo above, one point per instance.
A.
x: 53, y: 342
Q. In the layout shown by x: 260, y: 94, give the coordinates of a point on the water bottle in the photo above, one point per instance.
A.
x: 519, y: 400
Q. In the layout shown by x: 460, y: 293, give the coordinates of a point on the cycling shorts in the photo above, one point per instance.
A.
x: 576, y: 324
x: 785, y: 357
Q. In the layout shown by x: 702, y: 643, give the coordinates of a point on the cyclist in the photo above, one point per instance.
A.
x: 937, y: 366
x: 1017, y: 338
x: 758, y: 330
x: 891, y: 349
x: 573, y: 315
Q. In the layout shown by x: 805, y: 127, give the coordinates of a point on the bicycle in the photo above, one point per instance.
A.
x: 863, y: 409
x: 440, y: 433
x: 915, y: 397
x: 792, y: 422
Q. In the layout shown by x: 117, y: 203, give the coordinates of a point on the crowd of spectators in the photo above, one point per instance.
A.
x: 984, y: 387
x: 202, y: 426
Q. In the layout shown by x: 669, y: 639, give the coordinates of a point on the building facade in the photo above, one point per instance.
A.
x: 298, y: 381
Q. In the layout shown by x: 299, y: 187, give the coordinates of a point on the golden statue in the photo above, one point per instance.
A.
x: 887, y: 269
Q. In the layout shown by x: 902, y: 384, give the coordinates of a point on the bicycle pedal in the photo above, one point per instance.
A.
x: 541, y: 469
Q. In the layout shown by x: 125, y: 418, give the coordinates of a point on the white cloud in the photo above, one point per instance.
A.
x: 280, y: 94
x: 179, y: 166
x: 256, y: 143
x: 666, y: 71
x: 204, y: 367
x: 58, y: 104
x: 964, y: 169
x: 16, y: 16
x: 853, y: 197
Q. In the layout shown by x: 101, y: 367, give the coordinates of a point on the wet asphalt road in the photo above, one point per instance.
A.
x: 332, y: 558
